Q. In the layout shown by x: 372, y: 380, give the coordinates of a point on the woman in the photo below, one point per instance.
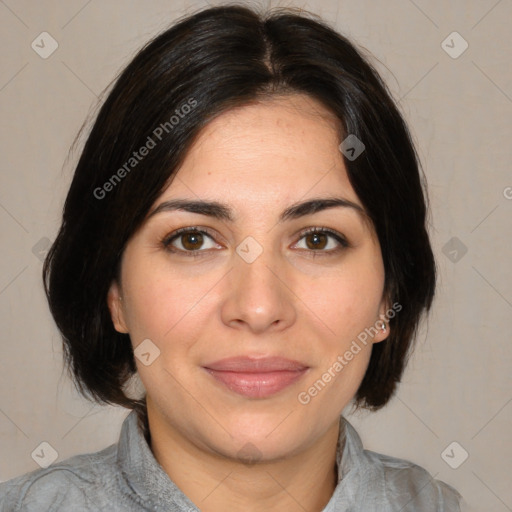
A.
x: 246, y: 232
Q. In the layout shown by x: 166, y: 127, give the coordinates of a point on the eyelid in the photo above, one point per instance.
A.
x: 167, y: 239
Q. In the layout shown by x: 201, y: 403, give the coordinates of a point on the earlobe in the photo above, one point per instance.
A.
x: 382, y: 324
x: 115, y: 307
x: 382, y: 327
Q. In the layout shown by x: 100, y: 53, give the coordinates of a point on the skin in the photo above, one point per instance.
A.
x: 295, y: 300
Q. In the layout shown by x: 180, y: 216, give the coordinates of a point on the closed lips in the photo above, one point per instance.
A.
x: 256, y: 378
x: 246, y: 364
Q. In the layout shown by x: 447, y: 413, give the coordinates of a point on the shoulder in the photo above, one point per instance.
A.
x: 392, y: 484
x: 413, y: 488
x: 79, y: 480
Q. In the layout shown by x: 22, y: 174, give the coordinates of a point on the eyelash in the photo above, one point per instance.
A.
x: 168, y: 239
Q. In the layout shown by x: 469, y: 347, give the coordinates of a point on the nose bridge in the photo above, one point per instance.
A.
x: 257, y: 266
x: 257, y: 296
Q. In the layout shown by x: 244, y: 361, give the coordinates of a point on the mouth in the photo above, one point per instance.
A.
x: 256, y: 378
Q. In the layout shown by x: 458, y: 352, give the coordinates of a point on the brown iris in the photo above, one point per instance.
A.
x: 315, y: 245
x: 195, y: 238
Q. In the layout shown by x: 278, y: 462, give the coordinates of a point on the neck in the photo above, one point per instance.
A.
x: 304, y: 481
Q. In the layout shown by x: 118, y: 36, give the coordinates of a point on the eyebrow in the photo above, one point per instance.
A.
x: 224, y: 212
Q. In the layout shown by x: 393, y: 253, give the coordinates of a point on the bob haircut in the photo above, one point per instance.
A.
x: 205, y: 64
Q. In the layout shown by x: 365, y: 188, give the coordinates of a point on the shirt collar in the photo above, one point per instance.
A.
x: 149, y: 483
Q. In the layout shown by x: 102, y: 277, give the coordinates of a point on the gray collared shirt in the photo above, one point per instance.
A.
x: 126, y: 477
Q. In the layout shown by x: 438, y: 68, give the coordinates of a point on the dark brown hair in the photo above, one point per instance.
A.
x: 214, y: 60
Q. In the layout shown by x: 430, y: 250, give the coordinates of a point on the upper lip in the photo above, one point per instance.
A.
x: 255, y: 365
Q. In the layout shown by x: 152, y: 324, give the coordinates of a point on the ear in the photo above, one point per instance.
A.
x: 382, y: 322
x: 115, y: 306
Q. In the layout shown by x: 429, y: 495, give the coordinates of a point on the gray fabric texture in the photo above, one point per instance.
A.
x: 126, y: 477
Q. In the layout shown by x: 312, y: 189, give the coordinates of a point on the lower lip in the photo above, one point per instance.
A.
x: 257, y: 385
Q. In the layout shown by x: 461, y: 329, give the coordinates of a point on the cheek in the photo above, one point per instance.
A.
x: 347, y: 303
x: 162, y: 304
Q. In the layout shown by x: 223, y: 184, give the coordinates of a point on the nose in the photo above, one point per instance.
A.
x: 258, y: 295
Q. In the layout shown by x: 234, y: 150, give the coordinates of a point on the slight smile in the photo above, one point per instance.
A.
x: 256, y: 378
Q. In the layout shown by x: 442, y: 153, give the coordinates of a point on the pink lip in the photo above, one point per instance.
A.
x: 256, y: 378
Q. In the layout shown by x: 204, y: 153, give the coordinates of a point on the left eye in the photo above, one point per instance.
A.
x: 317, y: 239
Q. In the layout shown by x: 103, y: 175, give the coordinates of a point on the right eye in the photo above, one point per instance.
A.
x: 188, y: 241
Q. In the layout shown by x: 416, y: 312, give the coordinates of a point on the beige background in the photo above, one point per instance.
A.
x: 457, y: 387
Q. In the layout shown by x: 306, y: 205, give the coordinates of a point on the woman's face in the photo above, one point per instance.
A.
x: 257, y: 286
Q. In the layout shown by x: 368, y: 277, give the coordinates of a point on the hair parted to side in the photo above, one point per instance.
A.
x: 220, y: 58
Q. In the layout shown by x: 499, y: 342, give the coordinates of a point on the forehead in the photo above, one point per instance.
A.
x: 264, y: 156
x: 288, y: 128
